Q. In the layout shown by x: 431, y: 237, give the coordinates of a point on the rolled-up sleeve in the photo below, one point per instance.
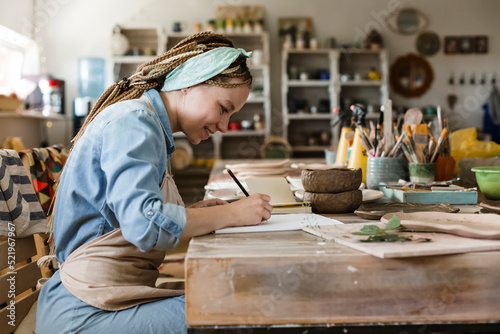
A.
x: 133, y: 154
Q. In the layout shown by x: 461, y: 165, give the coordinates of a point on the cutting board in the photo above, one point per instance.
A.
x: 485, y: 226
x: 441, y: 243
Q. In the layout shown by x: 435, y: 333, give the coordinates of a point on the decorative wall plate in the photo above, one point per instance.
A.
x: 428, y: 43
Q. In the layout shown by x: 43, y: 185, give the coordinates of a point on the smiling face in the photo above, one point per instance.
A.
x: 206, y: 109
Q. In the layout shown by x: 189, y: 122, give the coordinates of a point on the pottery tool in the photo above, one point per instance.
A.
x: 413, y: 116
x: 439, y: 119
x: 238, y: 183
x: 388, y: 138
x: 439, y: 144
x: 421, y: 140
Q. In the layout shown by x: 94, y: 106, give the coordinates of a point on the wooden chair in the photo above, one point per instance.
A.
x: 19, y: 275
x: 17, y: 280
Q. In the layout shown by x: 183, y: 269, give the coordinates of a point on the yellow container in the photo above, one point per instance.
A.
x: 359, y: 157
x: 344, y: 143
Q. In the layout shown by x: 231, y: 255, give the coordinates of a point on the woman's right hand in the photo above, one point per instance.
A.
x: 249, y: 210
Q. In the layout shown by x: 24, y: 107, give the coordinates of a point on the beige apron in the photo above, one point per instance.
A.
x: 112, y: 274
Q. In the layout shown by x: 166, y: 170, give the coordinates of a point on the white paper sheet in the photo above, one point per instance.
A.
x: 283, y: 223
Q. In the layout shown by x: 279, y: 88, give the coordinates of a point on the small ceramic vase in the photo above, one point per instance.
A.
x: 119, y: 43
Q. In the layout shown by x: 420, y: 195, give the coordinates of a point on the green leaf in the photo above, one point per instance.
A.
x: 371, y: 229
x: 393, y: 223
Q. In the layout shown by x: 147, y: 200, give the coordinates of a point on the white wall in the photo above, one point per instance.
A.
x: 78, y: 28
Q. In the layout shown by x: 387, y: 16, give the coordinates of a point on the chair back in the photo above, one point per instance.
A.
x: 18, y: 280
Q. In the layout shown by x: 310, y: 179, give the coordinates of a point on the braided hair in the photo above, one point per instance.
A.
x: 151, y: 75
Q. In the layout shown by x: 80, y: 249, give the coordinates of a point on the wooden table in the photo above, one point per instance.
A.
x: 293, y: 281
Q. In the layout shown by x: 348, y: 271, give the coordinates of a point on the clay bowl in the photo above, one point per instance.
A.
x: 332, y: 180
x: 344, y: 202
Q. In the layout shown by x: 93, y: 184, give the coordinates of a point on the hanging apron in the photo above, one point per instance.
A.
x: 112, y: 274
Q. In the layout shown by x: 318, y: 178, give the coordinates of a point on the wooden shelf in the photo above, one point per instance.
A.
x: 358, y: 83
x: 308, y: 83
x: 305, y: 116
x: 184, y: 35
x: 32, y: 115
x: 309, y: 51
x: 133, y: 59
x: 244, y: 133
x: 353, y: 50
x: 341, y: 50
x: 257, y: 99
x: 230, y: 133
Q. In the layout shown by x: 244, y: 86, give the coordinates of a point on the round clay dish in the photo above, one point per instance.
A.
x: 332, y: 180
x: 334, y: 202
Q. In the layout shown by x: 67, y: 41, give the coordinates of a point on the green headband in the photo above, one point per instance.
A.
x: 202, y: 67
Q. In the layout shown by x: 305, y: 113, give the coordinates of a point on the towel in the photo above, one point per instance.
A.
x: 20, y: 211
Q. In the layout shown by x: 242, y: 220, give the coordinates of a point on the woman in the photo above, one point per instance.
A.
x: 117, y: 207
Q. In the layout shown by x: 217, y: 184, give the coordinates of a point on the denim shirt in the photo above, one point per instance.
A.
x: 112, y: 179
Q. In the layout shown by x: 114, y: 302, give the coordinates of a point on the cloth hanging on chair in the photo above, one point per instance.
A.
x: 45, y: 166
x: 19, y: 206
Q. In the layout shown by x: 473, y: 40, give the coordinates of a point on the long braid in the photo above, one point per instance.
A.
x: 152, y: 74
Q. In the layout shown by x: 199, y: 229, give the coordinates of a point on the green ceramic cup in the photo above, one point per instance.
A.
x: 488, y: 180
x: 385, y: 170
x: 422, y: 173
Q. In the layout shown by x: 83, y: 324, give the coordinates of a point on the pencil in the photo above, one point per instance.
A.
x: 238, y: 183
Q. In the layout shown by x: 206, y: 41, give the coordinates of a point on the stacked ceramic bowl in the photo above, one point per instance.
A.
x: 333, y: 190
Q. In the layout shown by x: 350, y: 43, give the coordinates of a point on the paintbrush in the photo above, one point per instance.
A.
x: 406, y: 153
x: 410, y: 145
x: 421, y: 141
x: 439, y: 144
x: 396, y: 146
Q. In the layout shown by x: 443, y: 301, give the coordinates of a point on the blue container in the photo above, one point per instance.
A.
x: 91, y: 76
x: 385, y: 170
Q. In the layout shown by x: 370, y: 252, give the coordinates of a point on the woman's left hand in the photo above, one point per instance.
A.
x: 208, y: 203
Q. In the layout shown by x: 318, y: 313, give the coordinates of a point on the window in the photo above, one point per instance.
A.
x: 18, y: 57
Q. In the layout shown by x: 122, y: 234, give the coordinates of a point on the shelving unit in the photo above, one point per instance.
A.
x: 233, y: 144
x: 308, y: 132
x: 142, y: 39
